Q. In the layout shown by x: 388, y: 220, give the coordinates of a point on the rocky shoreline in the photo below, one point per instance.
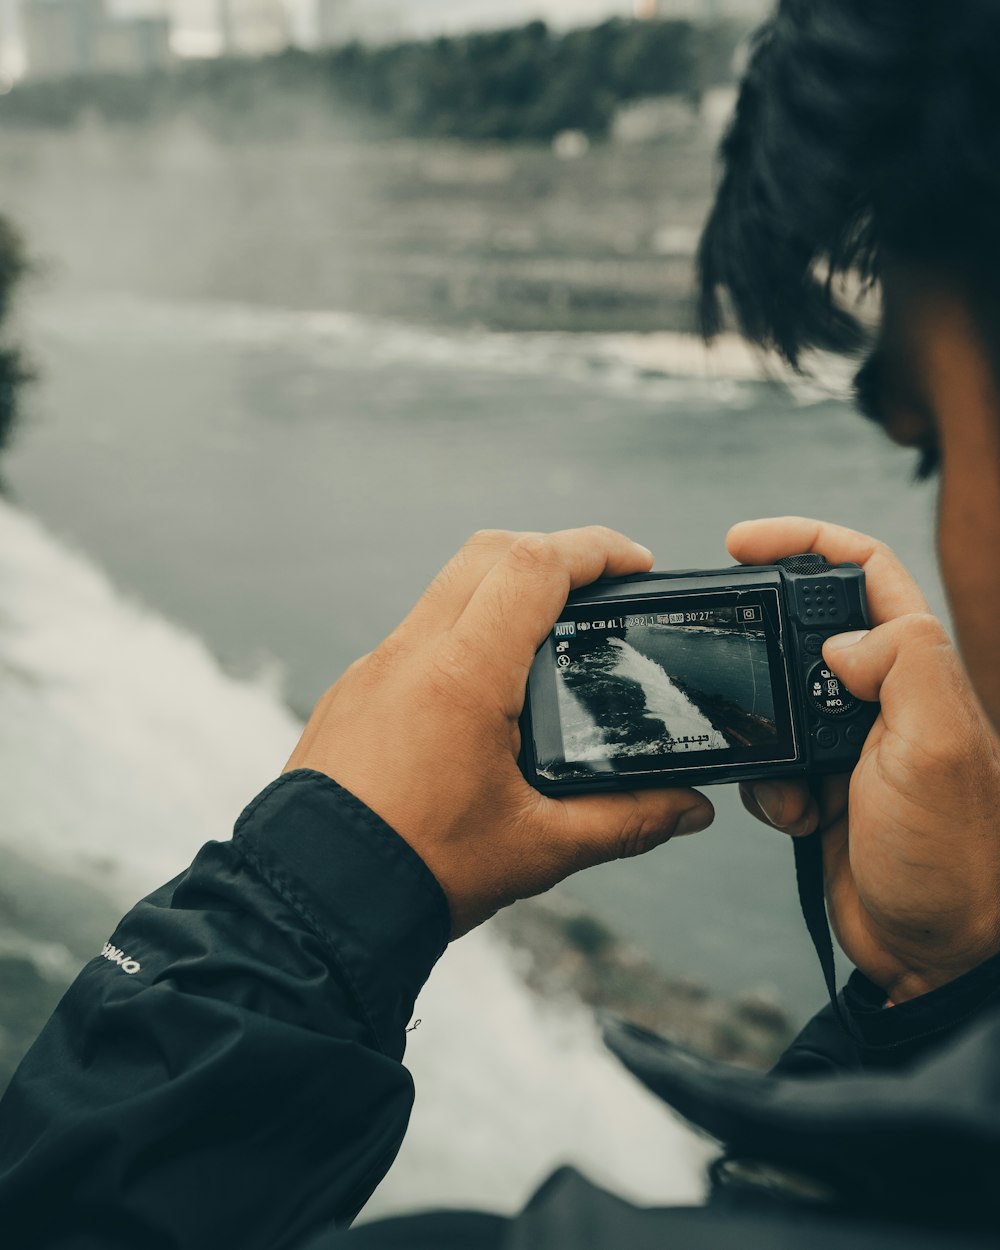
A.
x: 563, y: 951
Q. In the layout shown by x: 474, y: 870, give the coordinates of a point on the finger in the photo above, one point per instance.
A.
x: 892, y: 591
x: 596, y: 830
x: 910, y: 666
x: 784, y: 805
x: 448, y: 595
x: 521, y: 597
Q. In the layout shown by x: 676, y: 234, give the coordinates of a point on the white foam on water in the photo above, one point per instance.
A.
x: 508, y: 1088
x: 583, y: 738
x: 665, y: 702
x: 124, y: 747
x: 664, y: 366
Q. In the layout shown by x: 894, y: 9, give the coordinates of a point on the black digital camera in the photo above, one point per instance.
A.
x: 693, y: 678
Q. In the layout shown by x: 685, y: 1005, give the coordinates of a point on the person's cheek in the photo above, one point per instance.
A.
x: 969, y: 544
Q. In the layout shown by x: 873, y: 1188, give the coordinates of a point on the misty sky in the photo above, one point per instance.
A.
x: 196, y: 22
x: 506, y: 12
x: 197, y: 19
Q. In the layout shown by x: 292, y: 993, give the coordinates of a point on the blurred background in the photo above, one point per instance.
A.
x: 296, y: 295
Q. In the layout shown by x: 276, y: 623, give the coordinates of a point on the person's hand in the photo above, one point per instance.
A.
x: 424, y: 730
x: 911, y: 840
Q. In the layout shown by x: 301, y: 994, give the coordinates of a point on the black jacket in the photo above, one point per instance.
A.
x: 226, y: 1073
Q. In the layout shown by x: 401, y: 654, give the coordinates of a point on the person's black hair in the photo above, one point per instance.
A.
x: 863, y: 128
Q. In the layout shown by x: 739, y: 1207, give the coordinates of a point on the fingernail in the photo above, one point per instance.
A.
x: 645, y: 550
x: 806, y: 825
x: 768, y: 799
x: 842, y: 641
x: 693, y: 821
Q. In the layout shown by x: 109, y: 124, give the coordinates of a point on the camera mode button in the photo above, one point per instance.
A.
x: 827, y: 693
x: 813, y: 644
x: 827, y: 737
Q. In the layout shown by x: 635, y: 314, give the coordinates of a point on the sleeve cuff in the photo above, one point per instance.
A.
x: 357, y: 885
x: 908, y: 1030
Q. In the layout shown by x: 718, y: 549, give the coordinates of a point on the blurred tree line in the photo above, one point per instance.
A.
x: 14, y: 265
x: 526, y: 83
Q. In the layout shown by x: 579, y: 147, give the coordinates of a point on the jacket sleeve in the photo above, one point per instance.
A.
x: 884, y: 1037
x: 228, y: 1071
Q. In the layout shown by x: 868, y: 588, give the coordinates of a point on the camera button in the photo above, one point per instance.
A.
x: 827, y: 693
x: 813, y: 644
x: 827, y: 737
x: 856, y: 735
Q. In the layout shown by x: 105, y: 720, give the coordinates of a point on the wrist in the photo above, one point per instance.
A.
x: 914, y: 983
x: 891, y: 1037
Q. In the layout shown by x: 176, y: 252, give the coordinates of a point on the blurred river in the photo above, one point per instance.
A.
x: 285, y: 483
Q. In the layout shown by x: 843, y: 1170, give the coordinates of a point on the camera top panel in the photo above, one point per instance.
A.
x: 738, y: 577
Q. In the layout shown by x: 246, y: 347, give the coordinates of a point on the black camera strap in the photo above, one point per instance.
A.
x: 812, y: 900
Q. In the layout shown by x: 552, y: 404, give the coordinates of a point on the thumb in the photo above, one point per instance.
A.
x: 906, y: 664
x: 594, y: 830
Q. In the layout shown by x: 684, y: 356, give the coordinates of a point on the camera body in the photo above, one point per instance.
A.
x: 696, y: 678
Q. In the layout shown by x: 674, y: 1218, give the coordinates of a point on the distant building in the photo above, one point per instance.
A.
x: 703, y: 10
x: 335, y: 22
x: 253, y: 27
x: 67, y: 37
x: 372, y: 21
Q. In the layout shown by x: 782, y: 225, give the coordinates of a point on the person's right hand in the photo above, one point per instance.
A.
x: 911, y: 840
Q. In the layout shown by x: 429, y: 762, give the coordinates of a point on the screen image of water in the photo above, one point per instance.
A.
x: 730, y: 665
x: 623, y: 702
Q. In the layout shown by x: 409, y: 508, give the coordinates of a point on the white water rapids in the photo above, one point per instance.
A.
x: 665, y: 702
x: 585, y: 740
x: 124, y: 747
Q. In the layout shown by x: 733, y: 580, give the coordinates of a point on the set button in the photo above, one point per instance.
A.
x: 827, y: 694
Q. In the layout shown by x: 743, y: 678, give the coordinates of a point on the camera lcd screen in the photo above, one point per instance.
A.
x: 693, y: 681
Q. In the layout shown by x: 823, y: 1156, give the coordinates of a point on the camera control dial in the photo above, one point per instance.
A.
x: 828, y: 694
x: 809, y: 562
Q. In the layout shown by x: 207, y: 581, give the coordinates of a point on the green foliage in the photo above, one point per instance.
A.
x: 13, y: 373
x: 587, y: 935
x: 526, y: 83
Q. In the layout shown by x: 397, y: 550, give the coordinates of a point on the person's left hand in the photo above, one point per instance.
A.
x: 424, y: 730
